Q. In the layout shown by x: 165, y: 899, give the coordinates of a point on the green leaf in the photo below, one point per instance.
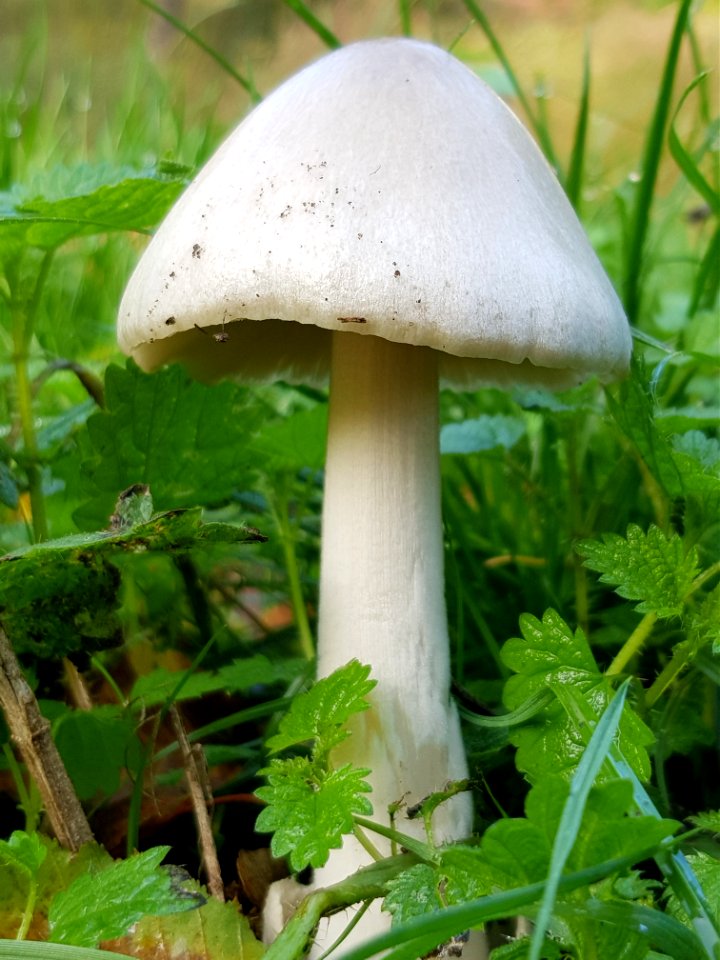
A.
x: 572, y: 814
x: 413, y: 893
x: 708, y: 820
x: 608, y: 832
x: 105, y: 733
x: 484, y: 433
x: 215, y: 931
x: 707, y: 870
x: 85, y: 200
x: 242, y: 674
x: 649, y: 567
x: 309, y: 809
x: 24, y: 850
x: 102, y: 905
x: 321, y: 713
x: 550, y: 655
x: 634, y: 412
x: 189, y: 442
x: 298, y: 440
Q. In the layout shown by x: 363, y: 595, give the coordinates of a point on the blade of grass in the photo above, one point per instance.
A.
x: 672, y: 863
x: 225, y: 65
x: 576, y: 169
x: 310, y: 20
x: 707, y: 279
x: 539, y: 128
x: 405, y: 19
x: 587, y: 770
x: 685, y: 161
x: 428, y: 931
x: 640, y: 220
x: 34, y: 950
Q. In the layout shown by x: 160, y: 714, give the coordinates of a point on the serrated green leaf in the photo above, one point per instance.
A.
x: 650, y: 567
x: 309, y: 810
x: 83, y: 201
x: 321, y: 713
x: 215, y: 931
x: 483, y: 433
x: 297, y: 441
x: 242, y: 674
x: 105, y: 904
x: 694, y: 443
x: 518, y: 950
x: 517, y: 851
x: 413, y: 893
x: 607, y: 832
x: 635, y: 414
x: 550, y: 655
x: 707, y: 871
x: 24, y: 850
x: 57, y: 871
x: 707, y: 820
x: 188, y: 442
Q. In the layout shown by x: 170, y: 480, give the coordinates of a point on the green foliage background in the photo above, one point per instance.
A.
x: 587, y: 522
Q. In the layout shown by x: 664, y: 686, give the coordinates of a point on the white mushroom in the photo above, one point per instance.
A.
x: 385, y: 219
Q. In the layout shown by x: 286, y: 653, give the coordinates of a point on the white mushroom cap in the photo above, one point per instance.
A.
x: 384, y: 190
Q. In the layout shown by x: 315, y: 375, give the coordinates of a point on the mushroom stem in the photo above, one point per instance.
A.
x: 381, y: 582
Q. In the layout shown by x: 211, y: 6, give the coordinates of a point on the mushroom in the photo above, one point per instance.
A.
x: 384, y: 219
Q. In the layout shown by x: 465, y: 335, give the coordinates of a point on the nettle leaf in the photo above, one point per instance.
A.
x: 85, y: 200
x: 707, y: 870
x: 23, y: 850
x: 105, y: 733
x: 100, y: 905
x: 242, y: 674
x: 189, y: 442
x: 607, y: 832
x: 309, y: 809
x: 215, y: 931
x: 461, y: 874
x: 518, y: 950
x: 414, y: 893
x: 550, y: 655
x: 650, y: 567
x: 321, y: 713
x: 296, y: 441
x: 705, y: 450
x: 483, y: 433
x: 53, y: 869
x: 517, y: 850
x: 707, y: 820
x: 703, y: 622
x: 634, y: 412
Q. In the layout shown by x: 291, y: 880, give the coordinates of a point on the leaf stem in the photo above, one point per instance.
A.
x: 22, y: 329
x: 632, y: 645
x: 279, y: 510
x: 247, y: 85
x: 29, y: 908
x: 366, y: 843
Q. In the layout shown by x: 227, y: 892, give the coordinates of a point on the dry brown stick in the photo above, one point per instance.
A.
x: 30, y: 732
x: 201, y: 797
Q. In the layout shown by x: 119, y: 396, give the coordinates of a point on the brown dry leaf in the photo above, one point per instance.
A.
x: 215, y: 931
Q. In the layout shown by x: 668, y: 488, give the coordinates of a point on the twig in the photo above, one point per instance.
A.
x: 30, y: 732
x: 201, y: 796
